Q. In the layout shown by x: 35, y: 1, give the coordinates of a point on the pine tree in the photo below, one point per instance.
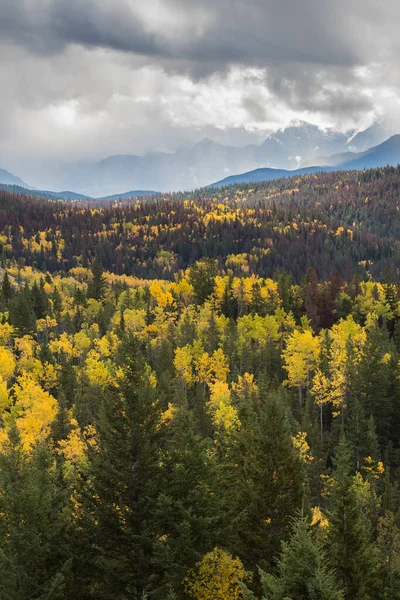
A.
x: 267, y: 476
x: 57, y: 303
x: 40, y: 303
x: 97, y: 283
x: 376, y: 379
x: 6, y: 289
x: 303, y: 570
x: 229, y: 304
x: 190, y: 513
x: 79, y: 297
x: 22, y: 316
x: 202, y: 277
x: 34, y: 561
x: 258, y: 305
x: 117, y: 502
x: 387, y: 556
x: 285, y: 282
x: 349, y: 541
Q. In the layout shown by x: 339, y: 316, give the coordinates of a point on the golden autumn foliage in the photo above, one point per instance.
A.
x: 183, y: 363
x: 303, y: 447
x: 157, y: 415
x: 223, y: 414
x: 7, y: 363
x: 212, y: 368
x: 74, y: 447
x: 318, y: 518
x: 100, y: 372
x: 346, y: 339
x: 216, y: 577
x: 35, y: 411
x: 25, y: 346
x: 43, y: 373
x: 168, y: 415
x: 300, y: 356
x: 5, y: 400
x: 6, y: 333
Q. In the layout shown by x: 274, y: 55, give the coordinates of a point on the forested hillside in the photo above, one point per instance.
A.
x: 200, y: 394
x: 347, y: 222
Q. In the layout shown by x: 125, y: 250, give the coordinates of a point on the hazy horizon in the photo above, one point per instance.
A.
x: 85, y: 81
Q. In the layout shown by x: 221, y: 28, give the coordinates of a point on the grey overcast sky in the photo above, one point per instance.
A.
x: 90, y: 78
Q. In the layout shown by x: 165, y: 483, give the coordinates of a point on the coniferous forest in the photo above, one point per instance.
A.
x: 200, y: 393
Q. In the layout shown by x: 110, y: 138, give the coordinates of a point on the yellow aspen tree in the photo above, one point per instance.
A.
x: 224, y: 415
x: 212, y: 368
x: 35, y: 411
x: 7, y: 363
x: 303, y: 447
x: 333, y: 384
x: 216, y: 577
x: 4, y: 396
x: 6, y: 333
x: 301, y: 356
x: 99, y: 372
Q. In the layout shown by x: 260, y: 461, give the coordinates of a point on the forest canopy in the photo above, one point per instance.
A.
x: 199, y: 394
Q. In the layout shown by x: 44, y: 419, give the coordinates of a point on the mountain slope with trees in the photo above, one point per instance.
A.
x: 199, y: 394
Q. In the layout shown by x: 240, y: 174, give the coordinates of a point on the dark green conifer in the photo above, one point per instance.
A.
x: 349, y: 542
x: 96, y: 286
x: 34, y: 561
x: 303, y: 570
x: 117, y: 500
x: 7, y: 289
x: 22, y: 316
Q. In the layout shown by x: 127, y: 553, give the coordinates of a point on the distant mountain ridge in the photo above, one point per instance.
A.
x: 387, y: 153
x: 9, y: 179
x: 289, y: 148
x: 46, y: 194
x: 285, y: 152
x: 266, y: 175
x: 69, y: 196
x: 131, y: 194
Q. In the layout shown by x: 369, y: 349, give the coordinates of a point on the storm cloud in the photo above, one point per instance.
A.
x: 89, y: 79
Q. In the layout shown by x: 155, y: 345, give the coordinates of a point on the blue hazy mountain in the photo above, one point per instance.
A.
x: 207, y: 161
x: 266, y: 175
x: 288, y: 151
x: 69, y: 196
x: 8, y: 178
x: 46, y: 194
x: 131, y: 194
x: 387, y: 153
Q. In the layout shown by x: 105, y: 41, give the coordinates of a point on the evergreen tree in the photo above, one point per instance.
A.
x: 33, y: 528
x: 375, y: 381
x: 303, y: 570
x: 267, y: 477
x: 387, y: 556
x: 22, y: 316
x: 40, y: 302
x: 349, y: 541
x: 229, y: 304
x: 57, y: 303
x: 79, y: 297
x: 190, y: 514
x: 202, y: 277
x: 6, y: 289
x: 97, y: 283
x: 117, y: 502
x: 258, y: 305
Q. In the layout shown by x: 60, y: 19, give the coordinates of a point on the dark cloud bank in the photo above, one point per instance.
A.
x: 86, y: 79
